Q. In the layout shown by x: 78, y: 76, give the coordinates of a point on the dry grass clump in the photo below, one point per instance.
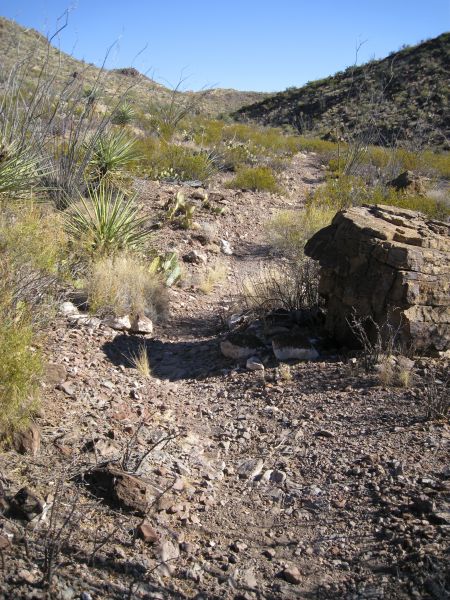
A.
x: 20, y: 364
x: 289, y: 230
x: 214, y: 275
x: 123, y: 285
x: 140, y: 361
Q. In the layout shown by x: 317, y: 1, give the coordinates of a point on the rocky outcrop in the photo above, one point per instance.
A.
x: 389, y: 264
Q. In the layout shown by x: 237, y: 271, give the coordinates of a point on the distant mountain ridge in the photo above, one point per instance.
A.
x: 403, y: 97
x: 20, y: 43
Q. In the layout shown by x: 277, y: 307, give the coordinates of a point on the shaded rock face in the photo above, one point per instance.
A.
x: 390, y: 264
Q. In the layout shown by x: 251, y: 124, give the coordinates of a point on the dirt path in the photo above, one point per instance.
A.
x: 314, y: 482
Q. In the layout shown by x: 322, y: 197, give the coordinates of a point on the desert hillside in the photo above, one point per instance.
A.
x: 403, y: 97
x: 18, y: 43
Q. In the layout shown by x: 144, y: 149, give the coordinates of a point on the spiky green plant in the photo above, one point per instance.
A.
x: 20, y: 170
x: 124, y: 114
x: 113, y: 151
x: 108, y: 222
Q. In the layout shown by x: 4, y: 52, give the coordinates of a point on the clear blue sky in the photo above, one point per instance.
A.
x: 248, y: 44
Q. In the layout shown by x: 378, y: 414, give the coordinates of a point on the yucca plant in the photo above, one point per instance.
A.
x: 20, y: 170
x: 113, y: 151
x: 124, y: 115
x: 108, y: 221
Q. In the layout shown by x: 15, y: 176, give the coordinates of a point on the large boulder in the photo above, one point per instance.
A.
x: 390, y: 264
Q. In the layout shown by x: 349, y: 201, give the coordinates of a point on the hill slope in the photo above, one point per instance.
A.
x: 19, y: 44
x: 402, y: 97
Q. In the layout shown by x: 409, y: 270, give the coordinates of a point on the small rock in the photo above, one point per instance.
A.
x: 325, y: 433
x: 195, y: 257
x: 250, y: 468
x: 117, y: 487
x: 68, y: 309
x: 248, y: 579
x: 118, y: 323
x: 141, y: 324
x: 147, y: 533
x: 225, y: 247
x: 238, y: 546
x: 26, y: 505
x: 28, y: 441
x: 254, y: 364
x: 67, y: 388
x: 291, y: 575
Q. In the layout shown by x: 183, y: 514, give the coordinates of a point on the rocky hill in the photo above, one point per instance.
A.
x: 404, y: 96
x: 18, y: 44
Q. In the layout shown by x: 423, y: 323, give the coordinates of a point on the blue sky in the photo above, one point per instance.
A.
x: 248, y: 44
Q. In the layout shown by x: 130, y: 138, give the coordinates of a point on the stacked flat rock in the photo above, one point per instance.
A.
x: 390, y: 264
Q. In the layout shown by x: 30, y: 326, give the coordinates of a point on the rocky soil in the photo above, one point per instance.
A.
x: 208, y: 480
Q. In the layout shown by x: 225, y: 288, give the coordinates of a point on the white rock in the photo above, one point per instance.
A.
x: 68, y: 308
x: 141, y: 325
x: 118, y: 323
x: 225, y: 247
x: 254, y: 364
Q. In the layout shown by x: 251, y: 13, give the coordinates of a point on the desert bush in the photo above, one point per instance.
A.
x: 107, y: 222
x: 176, y: 163
x: 33, y: 235
x: 379, y: 343
x: 255, y: 179
x: 345, y: 191
x: 434, y: 207
x: 20, y: 364
x: 123, y: 284
x: 293, y: 286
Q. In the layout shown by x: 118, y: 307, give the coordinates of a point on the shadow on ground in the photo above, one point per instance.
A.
x: 169, y: 360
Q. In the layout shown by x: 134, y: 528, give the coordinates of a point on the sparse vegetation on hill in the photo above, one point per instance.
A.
x: 402, y: 98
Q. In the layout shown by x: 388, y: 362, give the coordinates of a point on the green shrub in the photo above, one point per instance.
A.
x: 124, y: 285
x: 346, y: 191
x: 107, y: 222
x: 289, y: 230
x: 20, y: 365
x: 177, y: 163
x: 33, y: 235
x: 255, y: 179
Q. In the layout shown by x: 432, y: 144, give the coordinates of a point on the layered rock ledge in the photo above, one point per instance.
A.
x: 390, y: 264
